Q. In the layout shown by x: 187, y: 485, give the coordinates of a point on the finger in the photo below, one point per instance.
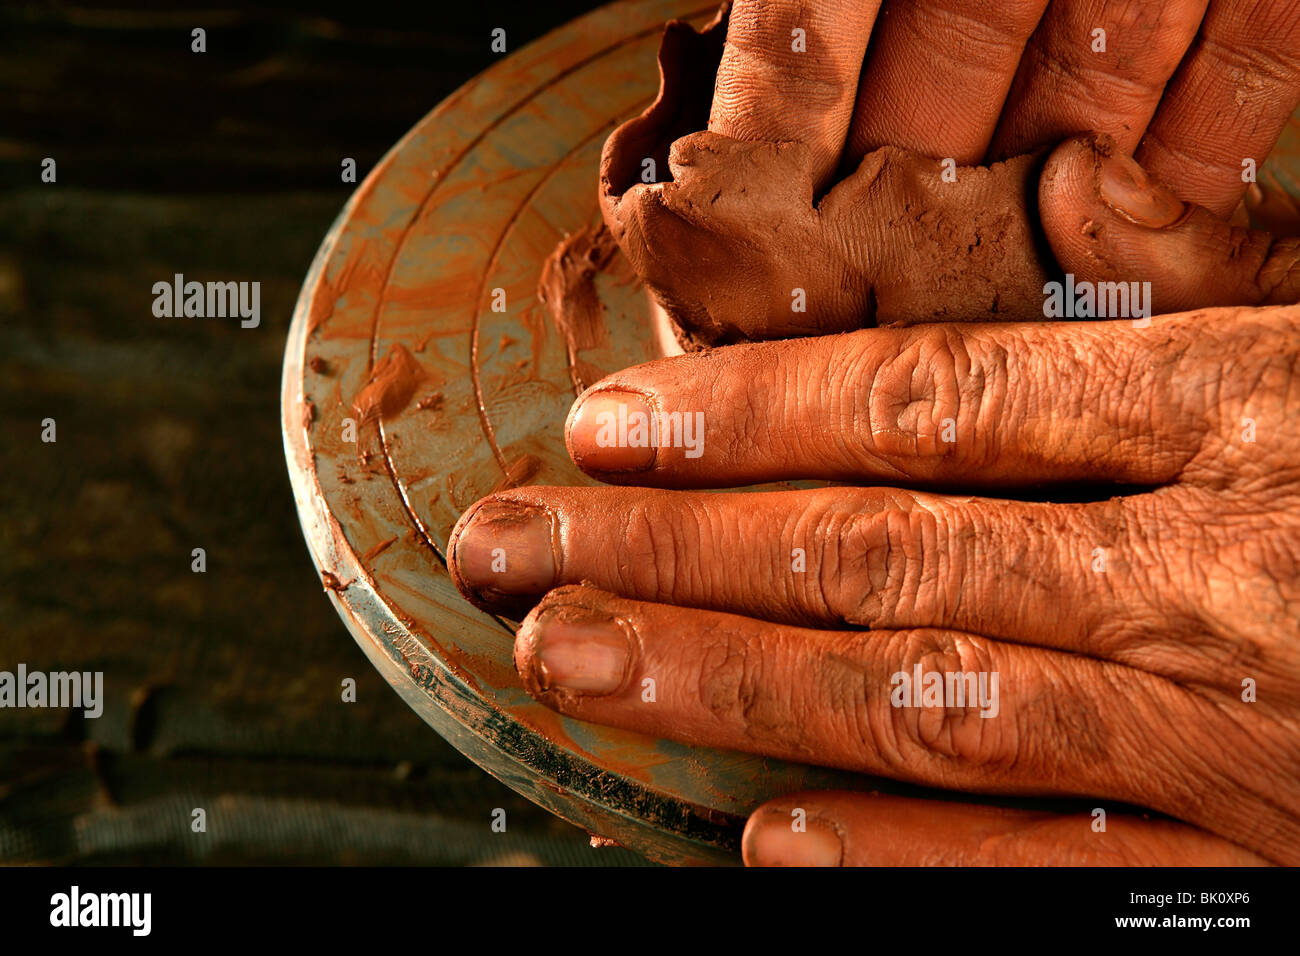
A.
x: 950, y: 107
x: 989, y: 405
x: 834, y: 828
x: 789, y: 72
x: 1109, y: 221
x: 998, y: 718
x: 829, y: 558
x: 1074, y: 79
x: 935, y: 707
x: 1228, y: 102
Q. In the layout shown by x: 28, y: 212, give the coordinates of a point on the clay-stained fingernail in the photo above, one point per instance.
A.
x: 579, y: 650
x: 774, y: 840
x: 508, y: 548
x: 613, y: 431
x: 1126, y: 188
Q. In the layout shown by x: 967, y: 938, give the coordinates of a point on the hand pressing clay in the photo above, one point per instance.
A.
x: 738, y: 245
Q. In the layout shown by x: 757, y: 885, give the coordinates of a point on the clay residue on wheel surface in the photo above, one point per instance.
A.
x: 391, y: 385
x: 567, y: 287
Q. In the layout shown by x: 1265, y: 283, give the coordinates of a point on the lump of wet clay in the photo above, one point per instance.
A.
x: 736, y: 245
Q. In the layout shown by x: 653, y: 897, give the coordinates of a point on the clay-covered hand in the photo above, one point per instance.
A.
x: 781, y: 186
x: 1141, y: 649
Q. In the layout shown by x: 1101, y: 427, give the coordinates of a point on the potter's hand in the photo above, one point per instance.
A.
x: 827, y: 195
x: 1193, y: 89
x: 1139, y: 649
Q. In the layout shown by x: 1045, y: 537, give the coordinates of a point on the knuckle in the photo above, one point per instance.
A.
x: 1145, y: 45
x: 889, y: 569
x: 760, y: 60
x: 1229, y: 382
x: 750, y: 422
x: 1225, y: 610
x: 1260, y: 57
x: 728, y: 676
x: 660, y: 543
x: 737, y: 688
x: 959, y: 688
x: 931, y: 401
x: 821, y: 531
x: 762, y: 75
x: 1065, y: 62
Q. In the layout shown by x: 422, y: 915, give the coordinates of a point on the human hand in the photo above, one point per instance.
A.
x: 1139, y: 649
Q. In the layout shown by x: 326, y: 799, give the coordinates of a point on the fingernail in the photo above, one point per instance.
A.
x: 579, y: 650
x: 508, y: 549
x: 1126, y: 189
x: 612, y: 431
x: 776, y: 842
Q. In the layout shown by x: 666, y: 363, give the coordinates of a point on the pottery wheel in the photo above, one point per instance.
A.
x: 423, y: 372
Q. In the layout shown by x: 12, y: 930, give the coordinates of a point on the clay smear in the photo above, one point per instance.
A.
x: 567, y: 287
x: 391, y: 385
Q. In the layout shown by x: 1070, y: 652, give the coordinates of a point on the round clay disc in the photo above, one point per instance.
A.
x: 423, y: 372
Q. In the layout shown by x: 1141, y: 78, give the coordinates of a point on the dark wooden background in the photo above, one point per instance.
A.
x: 222, y: 689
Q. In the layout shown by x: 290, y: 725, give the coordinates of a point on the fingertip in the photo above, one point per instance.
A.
x: 573, y: 644
x: 785, y: 833
x: 611, y: 430
x: 1102, y: 215
x: 454, y: 551
x: 502, y: 552
x: 1108, y: 221
x: 1070, y: 177
x: 1089, y: 174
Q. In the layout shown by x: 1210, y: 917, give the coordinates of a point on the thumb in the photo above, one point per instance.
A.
x: 1107, y: 221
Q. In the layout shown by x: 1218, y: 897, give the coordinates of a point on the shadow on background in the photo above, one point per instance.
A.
x: 222, y: 688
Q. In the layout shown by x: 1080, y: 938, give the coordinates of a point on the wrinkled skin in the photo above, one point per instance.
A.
x: 1146, y: 641
x: 1121, y: 681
